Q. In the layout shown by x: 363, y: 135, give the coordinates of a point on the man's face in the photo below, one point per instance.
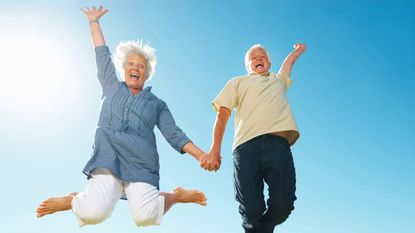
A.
x: 259, y: 61
x: 135, y: 71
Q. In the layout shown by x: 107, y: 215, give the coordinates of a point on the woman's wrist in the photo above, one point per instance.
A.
x: 93, y: 21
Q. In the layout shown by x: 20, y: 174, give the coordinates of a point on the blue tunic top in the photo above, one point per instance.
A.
x: 124, y: 140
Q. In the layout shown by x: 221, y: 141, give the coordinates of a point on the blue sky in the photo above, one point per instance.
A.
x: 353, y: 98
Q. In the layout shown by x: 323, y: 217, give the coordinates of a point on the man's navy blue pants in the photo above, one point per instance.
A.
x: 266, y: 158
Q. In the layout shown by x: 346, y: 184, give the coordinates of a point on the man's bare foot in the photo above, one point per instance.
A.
x: 182, y: 195
x: 55, y: 204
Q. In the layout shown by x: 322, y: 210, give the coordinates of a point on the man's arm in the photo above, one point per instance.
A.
x: 212, y: 160
x: 93, y: 16
x: 289, y: 61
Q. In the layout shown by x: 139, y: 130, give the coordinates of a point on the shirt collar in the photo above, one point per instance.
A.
x: 142, y: 92
x: 266, y: 75
x: 145, y: 91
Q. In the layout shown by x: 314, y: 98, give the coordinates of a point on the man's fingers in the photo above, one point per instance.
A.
x: 210, y: 163
x: 212, y: 166
x: 205, y: 165
x: 216, y: 166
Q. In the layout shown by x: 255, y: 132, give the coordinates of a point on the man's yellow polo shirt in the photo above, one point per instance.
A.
x: 261, y: 106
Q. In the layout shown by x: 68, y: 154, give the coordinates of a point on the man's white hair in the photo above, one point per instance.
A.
x: 247, y: 59
x: 127, y: 48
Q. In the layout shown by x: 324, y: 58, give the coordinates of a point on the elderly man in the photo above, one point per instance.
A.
x: 265, y: 129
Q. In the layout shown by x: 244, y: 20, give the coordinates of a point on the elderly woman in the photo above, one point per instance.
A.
x: 125, y: 162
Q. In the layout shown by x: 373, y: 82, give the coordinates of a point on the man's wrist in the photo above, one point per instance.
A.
x: 215, y: 150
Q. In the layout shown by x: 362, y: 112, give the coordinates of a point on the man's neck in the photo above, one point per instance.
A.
x: 264, y: 74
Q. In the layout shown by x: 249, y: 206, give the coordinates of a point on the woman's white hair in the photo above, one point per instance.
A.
x: 127, y: 48
x: 247, y: 59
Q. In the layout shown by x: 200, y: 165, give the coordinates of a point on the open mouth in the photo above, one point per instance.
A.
x: 135, y: 76
x: 259, y: 65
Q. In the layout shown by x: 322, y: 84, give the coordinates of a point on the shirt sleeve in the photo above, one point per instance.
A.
x: 227, y: 97
x: 106, y: 71
x: 286, y: 80
x: 170, y: 131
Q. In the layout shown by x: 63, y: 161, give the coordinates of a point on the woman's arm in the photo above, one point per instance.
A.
x: 193, y: 150
x: 175, y: 136
x: 106, y: 70
x: 93, y: 16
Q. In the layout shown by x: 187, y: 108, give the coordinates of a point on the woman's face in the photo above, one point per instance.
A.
x: 135, y: 71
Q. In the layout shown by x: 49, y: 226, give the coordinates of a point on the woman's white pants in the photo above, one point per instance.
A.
x: 102, y: 192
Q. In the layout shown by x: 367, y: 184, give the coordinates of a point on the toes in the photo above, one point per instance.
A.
x: 203, y: 203
x: 42, y: 208
x: 42, y: 213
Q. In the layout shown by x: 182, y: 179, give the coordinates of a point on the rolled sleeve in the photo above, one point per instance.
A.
x: 106, y: 70
x: 170, y: 131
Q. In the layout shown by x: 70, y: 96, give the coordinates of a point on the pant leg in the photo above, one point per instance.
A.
x: 96, y: 202
x: 248, y: 182
x: 145, y: 203
x: 279, y: 175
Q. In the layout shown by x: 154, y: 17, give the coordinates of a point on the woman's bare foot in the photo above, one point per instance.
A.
x: 55, y: 204
x: 181, y: 195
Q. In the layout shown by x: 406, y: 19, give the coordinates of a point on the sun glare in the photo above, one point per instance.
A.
x: 33, y: 76
x: 31, y: 70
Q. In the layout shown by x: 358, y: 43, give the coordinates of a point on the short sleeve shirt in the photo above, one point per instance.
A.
x: 261, y: 106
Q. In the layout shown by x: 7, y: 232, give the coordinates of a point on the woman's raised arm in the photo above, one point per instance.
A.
x: 93, y: 16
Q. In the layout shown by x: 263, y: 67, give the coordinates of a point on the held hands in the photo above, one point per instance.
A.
x: 210, y: 161
x: 94, y: 14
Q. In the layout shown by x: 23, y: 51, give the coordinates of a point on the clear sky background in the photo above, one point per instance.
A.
x: 353, y: 97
